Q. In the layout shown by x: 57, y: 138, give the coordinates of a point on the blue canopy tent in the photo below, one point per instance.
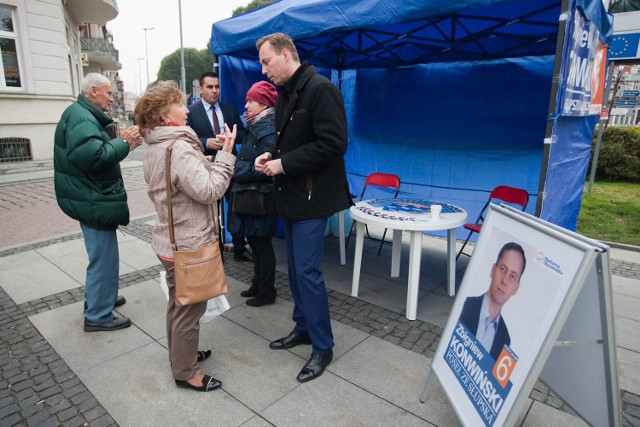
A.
x: 454, y: 97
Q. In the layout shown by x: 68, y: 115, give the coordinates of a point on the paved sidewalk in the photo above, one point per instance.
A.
x: 52, y: 373
x: 32, y: 195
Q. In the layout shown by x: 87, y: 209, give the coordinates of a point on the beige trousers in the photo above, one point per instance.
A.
x: 183, y: 331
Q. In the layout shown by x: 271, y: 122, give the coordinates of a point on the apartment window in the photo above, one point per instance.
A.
x: 9, y: 68
x: 15, y: 150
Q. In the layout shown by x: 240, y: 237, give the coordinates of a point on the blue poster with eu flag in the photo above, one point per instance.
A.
x: 625, y: 46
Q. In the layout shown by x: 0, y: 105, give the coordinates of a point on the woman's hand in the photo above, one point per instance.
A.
x: 260, y: 161
x: 228, y: 138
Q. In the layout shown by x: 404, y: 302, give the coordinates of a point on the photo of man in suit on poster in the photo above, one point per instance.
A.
x: 501, y: 334
x: 482, y: 314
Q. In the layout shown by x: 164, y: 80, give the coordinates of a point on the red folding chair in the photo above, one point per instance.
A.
x: 376, y: 179
x: 502, y: 193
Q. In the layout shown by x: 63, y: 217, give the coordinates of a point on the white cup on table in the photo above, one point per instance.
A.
x: 435, y: 211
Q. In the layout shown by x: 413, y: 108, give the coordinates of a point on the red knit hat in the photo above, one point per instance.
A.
x: 264, y: 93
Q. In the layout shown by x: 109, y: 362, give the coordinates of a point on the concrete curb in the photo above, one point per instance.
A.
x: 624, y: 246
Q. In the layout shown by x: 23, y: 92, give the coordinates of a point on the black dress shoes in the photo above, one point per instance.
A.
x: 208, y: 384
x: 114, y: 325
x: 260, y: 300
x: 243, y: 256
x: 314, y: 367
x: 291, y: 340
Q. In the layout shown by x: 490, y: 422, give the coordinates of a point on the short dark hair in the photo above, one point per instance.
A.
x: 207, y: 74
x: 513, y: 246
x: 279, y: 41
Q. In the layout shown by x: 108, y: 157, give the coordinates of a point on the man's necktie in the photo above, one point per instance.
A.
x: 216, y: 123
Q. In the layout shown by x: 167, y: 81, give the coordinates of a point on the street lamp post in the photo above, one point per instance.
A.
x: 183, y: 83
x: 146, y: 49
x: 138, y: 79
x: 140, y: 75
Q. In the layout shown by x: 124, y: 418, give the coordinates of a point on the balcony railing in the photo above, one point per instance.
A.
x: 102, y: 46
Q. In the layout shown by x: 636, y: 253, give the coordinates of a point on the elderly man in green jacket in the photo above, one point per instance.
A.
x: 89, y: 188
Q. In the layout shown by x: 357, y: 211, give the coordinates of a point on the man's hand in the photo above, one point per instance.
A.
x: 132, y: 136
x: 273, y: 167
x: 260, y: 161
x: 135, y: 144
x: 267, y: 166
x: 214, y: 144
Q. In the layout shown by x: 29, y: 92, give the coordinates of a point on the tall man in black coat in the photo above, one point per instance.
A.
x: 482, y: 314
x: 309, y: 170
x: 207, y: 119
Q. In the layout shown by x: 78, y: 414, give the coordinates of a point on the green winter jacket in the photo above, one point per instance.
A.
x: 86, y: 160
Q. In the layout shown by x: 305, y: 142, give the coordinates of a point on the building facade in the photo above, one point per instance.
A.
x: 100, y: 56
x: 41, y: 45
x: 130, y: 100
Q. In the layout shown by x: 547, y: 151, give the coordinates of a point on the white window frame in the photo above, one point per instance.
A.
x: 16, y: 38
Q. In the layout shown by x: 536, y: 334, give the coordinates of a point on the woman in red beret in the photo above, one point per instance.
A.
x: 254, y: 213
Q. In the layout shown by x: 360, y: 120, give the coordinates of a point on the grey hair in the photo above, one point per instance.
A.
x: 93, y: 80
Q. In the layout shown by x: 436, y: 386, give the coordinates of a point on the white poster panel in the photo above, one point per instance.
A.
x: 511, y: 294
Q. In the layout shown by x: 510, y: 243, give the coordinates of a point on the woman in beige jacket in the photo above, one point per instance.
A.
x: 196, y: 184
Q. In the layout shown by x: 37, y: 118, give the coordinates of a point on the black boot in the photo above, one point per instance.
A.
x: 260, y: 300
x: 251, y: 292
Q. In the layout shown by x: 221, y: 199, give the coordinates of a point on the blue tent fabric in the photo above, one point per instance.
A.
x: 567, y: 169
x: 451, y: 96
x: 347, y: 34
x: 571, y: 141
x: 464, y: 141
x: 302, y: 18
x: 595, y: 12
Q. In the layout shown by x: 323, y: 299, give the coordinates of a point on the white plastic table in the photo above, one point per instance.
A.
x: 413, y: 215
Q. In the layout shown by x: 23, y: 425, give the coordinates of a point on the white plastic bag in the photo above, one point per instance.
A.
x: 215, y: 306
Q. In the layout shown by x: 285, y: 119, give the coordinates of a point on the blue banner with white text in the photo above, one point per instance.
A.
x: 584, y: 64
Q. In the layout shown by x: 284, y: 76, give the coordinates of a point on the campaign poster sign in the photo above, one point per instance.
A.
x: 583, y: 69
x: 513, y: 289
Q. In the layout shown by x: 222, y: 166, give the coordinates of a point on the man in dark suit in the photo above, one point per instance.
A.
x: 207, y: 119
x: 308, y: 165
x: 482, y: 314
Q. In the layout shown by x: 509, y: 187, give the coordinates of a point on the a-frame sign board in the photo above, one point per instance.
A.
x: 535, y: 302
